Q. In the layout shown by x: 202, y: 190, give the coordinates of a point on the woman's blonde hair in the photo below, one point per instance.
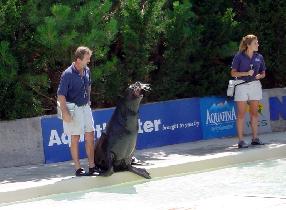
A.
x: 246, y: 40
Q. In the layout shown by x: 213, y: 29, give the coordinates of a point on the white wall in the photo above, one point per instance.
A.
x: 21, y: 142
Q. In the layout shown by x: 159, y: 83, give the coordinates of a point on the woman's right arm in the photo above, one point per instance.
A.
x: 235, y: 66
x: 235, y: 73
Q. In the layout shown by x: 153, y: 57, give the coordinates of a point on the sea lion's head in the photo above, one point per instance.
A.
x: 134, y: 95
x: 137, y: 89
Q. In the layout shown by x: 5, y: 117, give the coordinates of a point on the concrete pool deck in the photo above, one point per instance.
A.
x: 28, y: 182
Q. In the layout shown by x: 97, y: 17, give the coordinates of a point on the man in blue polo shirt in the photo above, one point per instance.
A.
x: 74, y: 99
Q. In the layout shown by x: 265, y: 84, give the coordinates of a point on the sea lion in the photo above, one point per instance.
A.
x: 115, y: 148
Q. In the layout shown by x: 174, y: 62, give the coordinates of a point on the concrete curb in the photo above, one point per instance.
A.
x: 271, y: 151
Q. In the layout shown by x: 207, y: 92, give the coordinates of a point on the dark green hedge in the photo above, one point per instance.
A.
x: 182, y: 48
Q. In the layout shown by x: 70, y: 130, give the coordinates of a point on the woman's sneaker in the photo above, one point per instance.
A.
x: 256, y: 141
x: 242, y: 144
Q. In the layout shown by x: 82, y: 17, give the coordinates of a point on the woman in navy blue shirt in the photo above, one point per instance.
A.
x: 249, y: 66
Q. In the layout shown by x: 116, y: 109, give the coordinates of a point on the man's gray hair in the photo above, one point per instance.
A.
x: 81, y: 51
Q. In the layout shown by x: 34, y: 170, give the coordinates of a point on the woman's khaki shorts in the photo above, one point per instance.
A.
x: 82, y: 121
x: 249, y: 91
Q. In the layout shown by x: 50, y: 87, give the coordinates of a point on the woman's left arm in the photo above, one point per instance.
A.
x: 262, y: 69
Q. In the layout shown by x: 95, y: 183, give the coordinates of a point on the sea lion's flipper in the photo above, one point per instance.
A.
x: 109, y: 163
x: 109, y: 172
x: 140, y: 171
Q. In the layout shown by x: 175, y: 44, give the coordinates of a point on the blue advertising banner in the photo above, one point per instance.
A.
x: 218, y: 117
x: 56, y: 143
x: 169, y: 122
x: 162, y: 123
x: 277, y: 108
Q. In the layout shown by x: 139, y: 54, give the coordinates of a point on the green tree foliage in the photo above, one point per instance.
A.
x: 69, y: 25
x: 266, y: 19
x: 197, y: 45
x: 140, y: 24
x: 183, y: 48
x: 140, y: 27
x: 175, y: 76
x: 16, y: 95
x: 217, y: 45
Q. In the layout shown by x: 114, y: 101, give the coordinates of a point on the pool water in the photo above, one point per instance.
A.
x: 258, y: 185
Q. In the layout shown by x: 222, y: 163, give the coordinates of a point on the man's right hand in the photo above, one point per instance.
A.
x: 63, y: 106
